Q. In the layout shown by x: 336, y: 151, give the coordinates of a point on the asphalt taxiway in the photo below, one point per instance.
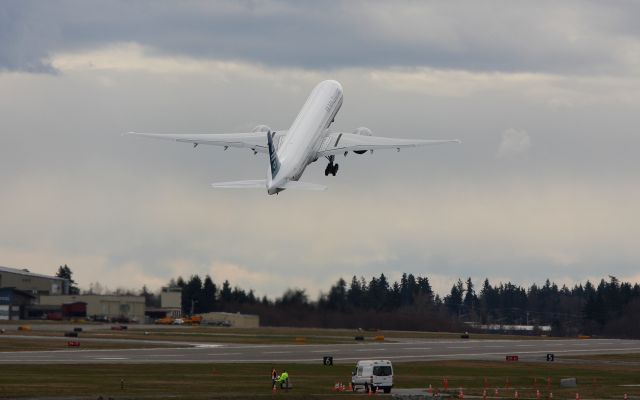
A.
x: 397, y: 350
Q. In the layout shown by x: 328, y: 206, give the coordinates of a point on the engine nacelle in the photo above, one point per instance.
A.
x: 364, y: 132
x: 261, y: 128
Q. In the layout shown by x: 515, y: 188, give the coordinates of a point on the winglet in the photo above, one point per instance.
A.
x: 273, y: 156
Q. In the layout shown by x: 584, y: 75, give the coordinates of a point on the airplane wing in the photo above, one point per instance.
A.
x: 256, y: 141
x: 341, y: 142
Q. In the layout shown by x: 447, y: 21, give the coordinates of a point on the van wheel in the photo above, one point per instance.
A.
x: 387, y: 390
x: 366, y: 388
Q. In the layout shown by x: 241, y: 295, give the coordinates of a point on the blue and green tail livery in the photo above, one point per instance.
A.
x: 273, y: 156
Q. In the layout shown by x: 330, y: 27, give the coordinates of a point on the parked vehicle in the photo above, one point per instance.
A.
x: 374, y: 374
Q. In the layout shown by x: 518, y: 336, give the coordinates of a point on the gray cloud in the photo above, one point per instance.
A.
x: 581, y: 37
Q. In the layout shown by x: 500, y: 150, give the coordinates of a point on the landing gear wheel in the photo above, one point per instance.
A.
x: 326, y: 170
x: 334, y: 170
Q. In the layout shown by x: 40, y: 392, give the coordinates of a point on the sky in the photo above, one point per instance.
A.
x: 545, y: 97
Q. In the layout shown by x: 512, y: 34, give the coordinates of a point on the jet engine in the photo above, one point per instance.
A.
x: 364, y: 132
x: 261, y: 128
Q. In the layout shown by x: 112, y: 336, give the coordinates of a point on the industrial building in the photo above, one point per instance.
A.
x: 14, y: 303
x: 171, y: 301
x: 35, y: 284
x: 131, y: 308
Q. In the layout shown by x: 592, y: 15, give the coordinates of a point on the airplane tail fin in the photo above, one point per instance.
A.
x: 273, y: 156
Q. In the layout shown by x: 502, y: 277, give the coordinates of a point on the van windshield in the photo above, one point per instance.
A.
x: 382, y: 370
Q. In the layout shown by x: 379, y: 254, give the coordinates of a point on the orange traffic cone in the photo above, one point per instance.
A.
x: 370, y: 392
x: 350, y: 387
x: 430, y: 389
x: 537, y: 394
x: 515, y: 395
x: 484, y: 394
x: 461, y: 394
x: 577, y: 396
x: 495, y: 392
x: 551, y: 395
x: 626, y: 397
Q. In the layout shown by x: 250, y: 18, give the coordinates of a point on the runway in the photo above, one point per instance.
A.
x: 400, y: 350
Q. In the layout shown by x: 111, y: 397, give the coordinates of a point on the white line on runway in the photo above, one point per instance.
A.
x: 370, y: 349
x: 275, y: 352
x: 416, y: 348
x: 166, y: 355
x: 456, y: 347
x: 111, y: 358
x: 324, y: 351
x: 223, y: 354
x: 525, y: 345
x: 497, y: 347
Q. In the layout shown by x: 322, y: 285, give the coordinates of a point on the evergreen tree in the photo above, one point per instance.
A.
x: 208, y: 295
x: 225, y: 294
x: 470, y: 298
x: 65, y: 272
x: 454, y: 300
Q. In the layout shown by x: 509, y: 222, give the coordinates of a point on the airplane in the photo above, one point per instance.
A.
x: 307, y: 140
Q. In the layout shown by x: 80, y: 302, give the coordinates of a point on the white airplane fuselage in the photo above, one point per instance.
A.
x: 305, y: 136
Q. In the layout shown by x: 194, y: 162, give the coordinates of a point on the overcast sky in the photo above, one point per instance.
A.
x: 544, y: 95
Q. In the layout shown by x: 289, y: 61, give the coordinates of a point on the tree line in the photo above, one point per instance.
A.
x: 609, y: 307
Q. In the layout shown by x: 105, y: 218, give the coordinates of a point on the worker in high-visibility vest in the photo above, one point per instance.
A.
x: 283, y: 380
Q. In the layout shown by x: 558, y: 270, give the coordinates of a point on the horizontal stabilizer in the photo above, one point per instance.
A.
x: 262, y: 184
x: 251, y: 184
x: 304, y: 186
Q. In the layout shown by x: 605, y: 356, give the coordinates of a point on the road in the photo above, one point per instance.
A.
x: 400, y: 350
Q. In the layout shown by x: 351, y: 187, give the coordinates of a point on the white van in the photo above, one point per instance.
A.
x: 374, y: 374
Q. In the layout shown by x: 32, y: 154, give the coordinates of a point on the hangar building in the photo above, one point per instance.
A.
x: 14, y: 303
x: 35, y: 284
x: 103, y: 306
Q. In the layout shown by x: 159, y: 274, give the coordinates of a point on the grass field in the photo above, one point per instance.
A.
x: 184, y: 381
x: 253, y: 336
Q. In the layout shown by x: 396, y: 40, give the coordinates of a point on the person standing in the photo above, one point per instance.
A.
x: 283, y: 380
x: 274, y: 377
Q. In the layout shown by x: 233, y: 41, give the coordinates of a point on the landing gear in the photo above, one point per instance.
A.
x: 331, y: 167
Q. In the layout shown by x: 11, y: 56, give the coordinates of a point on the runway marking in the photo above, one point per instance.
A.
x: 275, y: 352
x: 458, y: 347
x: 497, y: 347
x: 223, y: 354
x: 111, y: 358
x: 525, y: 345
x: 417, y: 348
x: 324, y: 351
x: 370, y: 349
x: 166, y: 355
